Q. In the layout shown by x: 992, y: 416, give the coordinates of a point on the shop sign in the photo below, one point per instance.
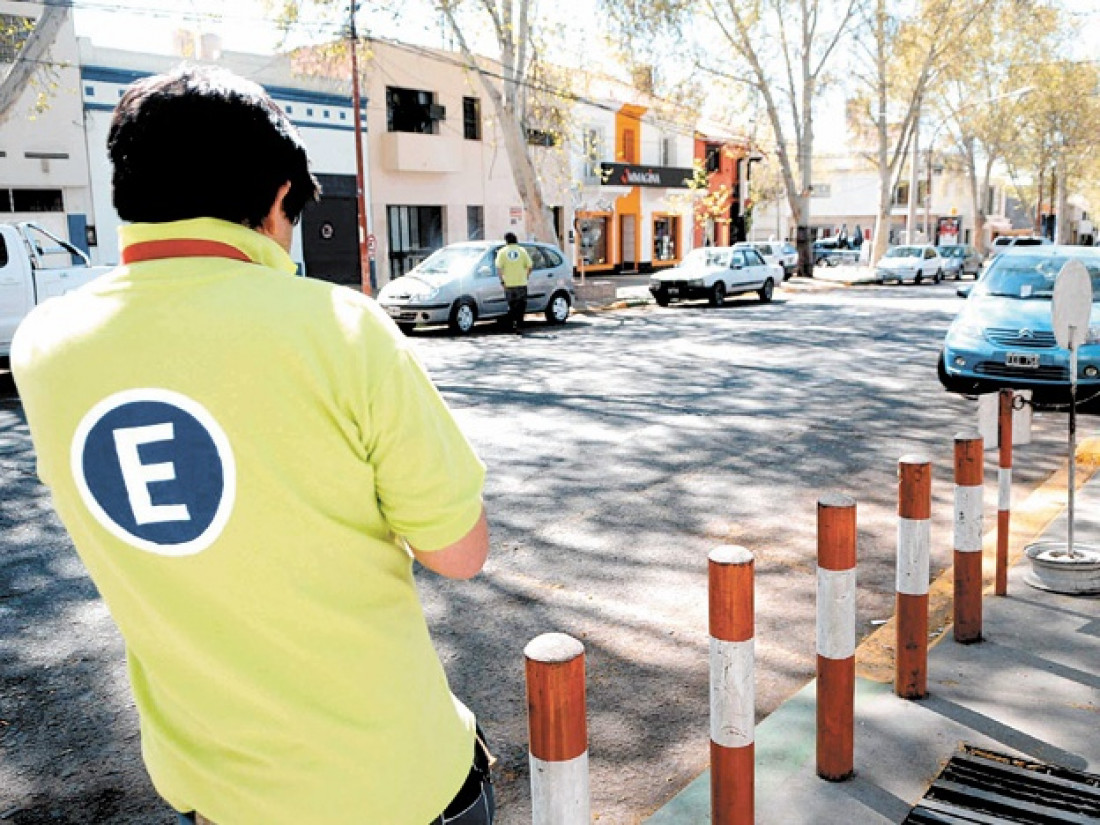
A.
x: 625, y: 174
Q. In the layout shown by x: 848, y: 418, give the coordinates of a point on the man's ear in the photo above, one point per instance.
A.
x: 275, y: 224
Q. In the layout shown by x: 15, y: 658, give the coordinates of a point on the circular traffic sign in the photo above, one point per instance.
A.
x: 1071, y: 306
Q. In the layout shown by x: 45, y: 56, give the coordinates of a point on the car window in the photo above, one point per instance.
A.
x: 1028, y: 242
x: 1032, y: 276
x: 536, y: 256
x: 753, y: 258
x: 929, y: 253
x: 764, y: 249
x: 551, y: 256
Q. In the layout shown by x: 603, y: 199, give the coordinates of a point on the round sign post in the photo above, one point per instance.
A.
x: 1071, y: 310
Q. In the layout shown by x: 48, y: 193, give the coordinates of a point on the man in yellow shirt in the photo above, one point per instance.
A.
x: 514, y: 268
x: 248, y: 464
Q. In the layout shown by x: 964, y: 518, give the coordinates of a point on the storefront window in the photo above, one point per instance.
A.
x: 666, y: 238
x: 593, y: 237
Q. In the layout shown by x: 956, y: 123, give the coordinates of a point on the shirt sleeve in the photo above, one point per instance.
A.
x: 428, y: 478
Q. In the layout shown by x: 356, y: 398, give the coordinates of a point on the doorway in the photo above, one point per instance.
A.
x: 628, y: 257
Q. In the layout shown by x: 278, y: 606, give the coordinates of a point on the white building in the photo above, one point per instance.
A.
x: 844, y: 200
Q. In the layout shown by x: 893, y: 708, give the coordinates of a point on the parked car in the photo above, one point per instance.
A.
x: 776, y: 252
x: 1003, y: 242
x: 1003, y: 336
x: 35, y: 265
x: 827, y: 251
x: 458, y: 285
x: 914, y: 262
x: 960, y: 260
x: 713, y: 272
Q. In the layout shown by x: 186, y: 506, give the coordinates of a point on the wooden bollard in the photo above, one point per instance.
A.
x: 969, y: 475
x: 836, y: 636
x: 1004, y: 489
x: 914, y: 548
x: 732, y: 690
x: 558, y: 730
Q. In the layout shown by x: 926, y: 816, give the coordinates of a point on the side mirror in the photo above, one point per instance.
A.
x: 963, y: 291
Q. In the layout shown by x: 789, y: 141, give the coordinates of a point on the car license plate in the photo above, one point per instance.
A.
x: 672, y: 290
x: 1028, y: 360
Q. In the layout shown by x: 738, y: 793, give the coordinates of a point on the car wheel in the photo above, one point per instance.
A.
x: 661, y: 297
x: 406, y: 328
x: 557, y: 310
x: 917, y: 278
x: 718, y: 294
x: 937, y: 277
x: 765, y: 292
x: 463, y: 316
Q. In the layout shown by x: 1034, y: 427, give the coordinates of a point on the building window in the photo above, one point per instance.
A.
x: 627, y: 150
x: 14, y: 31
x: 31, y: 200
x: 415, y: 232
x: 289, y: 109
x: 471, y: 118
x: 475, y: 223
x: 593, y: 236
x: 901, y: 193
x: 89, y: 91
x: 666, y: 238
x: 309, y: 112
x: 412, y: 110
x: 713, y: 157
x: 668, y: 151
x: 343, y: 115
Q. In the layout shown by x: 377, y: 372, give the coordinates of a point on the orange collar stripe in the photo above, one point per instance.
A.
x: 181, y: 248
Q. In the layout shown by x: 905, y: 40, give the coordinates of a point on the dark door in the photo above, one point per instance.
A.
x: 330, y: 233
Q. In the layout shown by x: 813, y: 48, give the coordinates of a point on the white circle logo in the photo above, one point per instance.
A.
x: 156, y: 470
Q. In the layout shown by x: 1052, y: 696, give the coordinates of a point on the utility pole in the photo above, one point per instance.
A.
x: 366, y: 266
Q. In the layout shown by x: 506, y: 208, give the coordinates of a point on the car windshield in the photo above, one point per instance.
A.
x: 904, y: 252
x: 951, y: 251
x: 1032, y: 276
x: 448, y: 263
x: 704, y: 257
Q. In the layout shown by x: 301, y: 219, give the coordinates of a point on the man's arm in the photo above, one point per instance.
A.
x: 463, y: 559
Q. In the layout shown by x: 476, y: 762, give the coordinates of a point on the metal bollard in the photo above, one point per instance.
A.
x: 732, y: 691
x: 558, y: 730
x: 969, y: 474
x: 836, y: 636
x: 914, y: 548
x: 1004, y: 489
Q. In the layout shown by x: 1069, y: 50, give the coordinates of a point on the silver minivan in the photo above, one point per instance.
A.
x: 458, y: 285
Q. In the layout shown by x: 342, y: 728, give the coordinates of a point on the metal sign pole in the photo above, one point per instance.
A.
x: 1072, y: 440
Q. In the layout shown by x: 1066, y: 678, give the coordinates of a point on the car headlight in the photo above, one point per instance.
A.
x: 968, y: 332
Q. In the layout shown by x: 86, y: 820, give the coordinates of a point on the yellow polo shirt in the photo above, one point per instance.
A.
x: 232, y: 450
x: 513, y: 264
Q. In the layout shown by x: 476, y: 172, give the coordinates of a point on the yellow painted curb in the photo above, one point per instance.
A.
x: 875, y: 654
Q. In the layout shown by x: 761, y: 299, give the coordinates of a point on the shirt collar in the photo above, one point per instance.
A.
x: 202, y: 237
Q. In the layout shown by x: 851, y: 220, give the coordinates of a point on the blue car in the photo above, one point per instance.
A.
x: 1003, y: 337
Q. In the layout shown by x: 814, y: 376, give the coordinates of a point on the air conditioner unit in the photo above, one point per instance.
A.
x: 437, y: 112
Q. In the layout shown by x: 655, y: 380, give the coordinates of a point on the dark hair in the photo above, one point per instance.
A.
x: 201, y: 142
x: 509, y: 237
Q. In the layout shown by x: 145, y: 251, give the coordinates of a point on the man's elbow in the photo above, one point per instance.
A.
x: 465, y: 558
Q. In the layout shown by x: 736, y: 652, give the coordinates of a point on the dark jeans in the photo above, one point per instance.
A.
x: 474, y: 803
x: 517, y: 304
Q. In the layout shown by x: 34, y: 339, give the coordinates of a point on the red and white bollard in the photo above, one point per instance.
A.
x: 836, y: 636
x: 969, y: 475
x: 558, y: 729
x: 1004, y: 489
x: 732, y: 691
x: 914, y: 548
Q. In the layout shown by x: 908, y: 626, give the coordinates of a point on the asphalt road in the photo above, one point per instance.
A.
x: 621, y: 448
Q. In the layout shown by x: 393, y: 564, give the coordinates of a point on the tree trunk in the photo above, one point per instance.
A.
x: 31, y: 57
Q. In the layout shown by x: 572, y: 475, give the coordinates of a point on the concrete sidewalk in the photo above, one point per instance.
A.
x: 1030, y: 688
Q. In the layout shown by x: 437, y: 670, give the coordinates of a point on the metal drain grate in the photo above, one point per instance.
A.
x: 987, y: 788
